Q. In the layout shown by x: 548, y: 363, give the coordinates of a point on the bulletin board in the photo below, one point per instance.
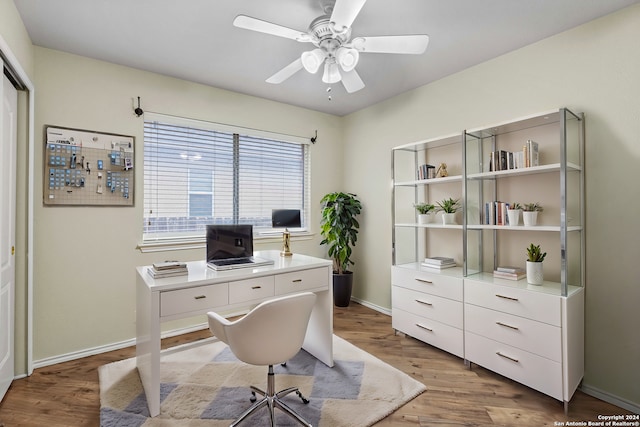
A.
x: 86, y: 168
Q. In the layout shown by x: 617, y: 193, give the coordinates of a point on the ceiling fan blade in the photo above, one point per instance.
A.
x: 345, y: 12
x: 351, y: 81
x: 254, y: 24
x: 415, y: 44
x: 286, y: 72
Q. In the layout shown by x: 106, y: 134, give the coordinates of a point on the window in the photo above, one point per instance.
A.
x: 198, y: 173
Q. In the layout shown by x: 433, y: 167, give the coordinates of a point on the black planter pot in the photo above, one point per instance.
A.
x: 342, y: 286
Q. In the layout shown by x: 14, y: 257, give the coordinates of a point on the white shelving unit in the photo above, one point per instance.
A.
x: 532, y: 334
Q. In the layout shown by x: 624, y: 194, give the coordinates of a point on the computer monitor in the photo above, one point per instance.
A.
x: 226, y: 241
x: 289, y: 218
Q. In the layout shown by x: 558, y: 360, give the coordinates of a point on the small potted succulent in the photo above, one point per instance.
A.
x: 535, y: 256
x: 425, y: 212
x: 513, y: 213
x: 448, y: 207
x: 530, y: 213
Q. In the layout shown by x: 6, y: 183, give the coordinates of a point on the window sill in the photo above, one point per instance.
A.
x: 200, y: 242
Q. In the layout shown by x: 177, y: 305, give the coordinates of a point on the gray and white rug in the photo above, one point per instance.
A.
x: 208, y: 386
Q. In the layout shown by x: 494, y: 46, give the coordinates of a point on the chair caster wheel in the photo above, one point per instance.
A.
x: 304, y: 399
x: 253, y: 397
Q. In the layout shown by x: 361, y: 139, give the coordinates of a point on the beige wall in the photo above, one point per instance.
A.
x: 84, y: 293
x: 595, y: 69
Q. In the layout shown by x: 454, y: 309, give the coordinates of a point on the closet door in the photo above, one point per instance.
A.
x: 8, y: 141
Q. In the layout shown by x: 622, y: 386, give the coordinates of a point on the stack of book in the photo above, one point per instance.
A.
x: 438, y: 262
x: 502, y: 160
x: 510, y: 273
x: 161, y: 270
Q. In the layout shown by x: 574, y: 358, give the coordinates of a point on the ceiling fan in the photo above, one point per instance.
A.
x: 331, y: 35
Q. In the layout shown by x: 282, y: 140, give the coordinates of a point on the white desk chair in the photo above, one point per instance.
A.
x: 271, y: 333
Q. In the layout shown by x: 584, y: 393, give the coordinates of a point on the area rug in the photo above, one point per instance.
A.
x: 208, y: 386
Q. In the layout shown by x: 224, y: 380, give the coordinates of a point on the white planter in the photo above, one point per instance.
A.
x: 514, y: 216
x: 535, y: 275
x: 530, y: 218
x: 448, y: 218
x: 425, y: 218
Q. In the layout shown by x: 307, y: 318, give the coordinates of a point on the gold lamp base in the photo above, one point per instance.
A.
x: 286, y: 242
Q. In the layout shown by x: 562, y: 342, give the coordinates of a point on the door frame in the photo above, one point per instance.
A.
x: 12, y: 62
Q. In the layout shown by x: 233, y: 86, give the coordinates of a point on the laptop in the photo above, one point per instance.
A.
x: 231, y: 246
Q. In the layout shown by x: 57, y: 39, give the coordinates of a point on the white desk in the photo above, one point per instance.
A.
x: 203, y: 290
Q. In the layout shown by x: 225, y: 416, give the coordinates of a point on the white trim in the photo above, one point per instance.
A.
x: 610, y: 398
x: 13, y: 62
x: 377, y: 308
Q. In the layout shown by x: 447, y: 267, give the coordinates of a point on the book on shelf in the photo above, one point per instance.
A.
x: 439, y: 260
x: 531, y: 154
x: 509, y: 276
x: 510, y: 269
x: 436, y: 266
x: 426, y: 171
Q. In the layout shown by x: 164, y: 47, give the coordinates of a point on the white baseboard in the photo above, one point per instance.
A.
x: 377, y: 308
x: 610, y: 398
x: 110, y: 347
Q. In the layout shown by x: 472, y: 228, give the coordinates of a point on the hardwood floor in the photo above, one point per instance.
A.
x: 67, y: 394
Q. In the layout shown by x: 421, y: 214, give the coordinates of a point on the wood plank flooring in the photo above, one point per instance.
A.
x: 67, y: 394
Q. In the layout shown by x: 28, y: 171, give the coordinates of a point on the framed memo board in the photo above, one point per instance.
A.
x: 86, y: 168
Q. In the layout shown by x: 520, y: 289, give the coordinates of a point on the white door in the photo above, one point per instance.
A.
x: 8, y: 141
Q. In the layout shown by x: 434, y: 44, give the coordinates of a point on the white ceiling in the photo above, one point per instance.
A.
x: 195, y: 40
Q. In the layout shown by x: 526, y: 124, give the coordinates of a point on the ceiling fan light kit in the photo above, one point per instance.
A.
x: 331, y: 34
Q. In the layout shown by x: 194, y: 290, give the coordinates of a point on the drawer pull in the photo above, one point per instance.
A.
x: 297, y: 280
x: 507, y: 326
x: 256, y: 287
x: 424, y: 281
x: 507, y: 357
x: 424, y: 327
x: 424, y: 302
x: 200, y: 297
x: 506, y: 297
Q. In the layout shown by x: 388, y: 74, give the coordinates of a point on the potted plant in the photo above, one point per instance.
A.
x: 339, y: 229
x: 425, y: 211
x: 448, y: 207
x: 530, y: 213
x: 535, y: 256
x: 513, y: 213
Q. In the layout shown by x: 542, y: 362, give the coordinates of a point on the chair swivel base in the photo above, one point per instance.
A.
x: 273, y: 400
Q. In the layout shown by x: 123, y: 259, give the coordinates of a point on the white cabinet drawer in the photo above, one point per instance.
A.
x: 251, y: 289
x: 198, y: 299
x: 432, y: 332
x: 299, y: 281
x: 529, y: 369
x: 424, y: 281
x: 426, y: 305
x: 511, y: 299
x: 536, y: 337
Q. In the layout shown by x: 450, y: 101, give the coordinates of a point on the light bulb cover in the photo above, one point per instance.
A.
x: 331, y: 72
x: 347, y: 58
x: 311, y: 60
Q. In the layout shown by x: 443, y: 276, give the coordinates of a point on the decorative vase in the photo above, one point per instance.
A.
x: 448, y: 218
x: 424, y: 218
x: 535, y: 275
x: 514, y: 216
x: 530, y: 218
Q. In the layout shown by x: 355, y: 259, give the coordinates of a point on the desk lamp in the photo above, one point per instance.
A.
x: 285, y: 218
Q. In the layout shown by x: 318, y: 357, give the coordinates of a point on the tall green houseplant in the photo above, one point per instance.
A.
x: 339, y: 229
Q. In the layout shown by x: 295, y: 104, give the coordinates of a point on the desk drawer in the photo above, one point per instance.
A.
x: 251, y: 289
x: 299, y: 281
x: 425, y: 305
x: 424, y: 281
x: 201, y: 298
x: 535, y: 337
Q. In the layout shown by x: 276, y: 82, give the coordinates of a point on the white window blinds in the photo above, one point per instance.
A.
x: 195, y: 174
